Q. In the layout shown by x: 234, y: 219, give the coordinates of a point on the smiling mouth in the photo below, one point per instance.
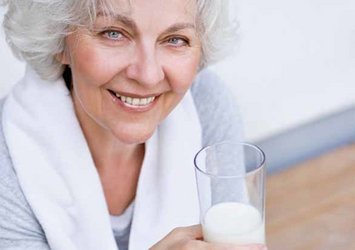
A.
x: 134, y: 101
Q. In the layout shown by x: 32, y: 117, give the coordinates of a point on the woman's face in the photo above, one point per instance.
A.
x: 133, y: 68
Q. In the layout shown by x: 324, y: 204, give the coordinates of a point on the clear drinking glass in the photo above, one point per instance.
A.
x: 231, y: 188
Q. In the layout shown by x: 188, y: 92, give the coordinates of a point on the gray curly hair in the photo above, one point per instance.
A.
x: 35, y: 29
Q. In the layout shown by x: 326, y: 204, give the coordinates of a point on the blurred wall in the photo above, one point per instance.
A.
x: 294, y: 62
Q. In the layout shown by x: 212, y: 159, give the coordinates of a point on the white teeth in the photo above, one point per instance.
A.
x: 136, y: 101
x: 143, y: 101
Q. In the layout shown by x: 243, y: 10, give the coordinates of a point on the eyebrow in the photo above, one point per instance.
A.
x: 179, y: 26
x: 132, y: 25
x: 120, y: 18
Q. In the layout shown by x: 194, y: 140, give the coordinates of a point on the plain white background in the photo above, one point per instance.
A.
x: 294, y: 62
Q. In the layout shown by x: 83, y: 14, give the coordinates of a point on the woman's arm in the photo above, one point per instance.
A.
x: 19, y: 228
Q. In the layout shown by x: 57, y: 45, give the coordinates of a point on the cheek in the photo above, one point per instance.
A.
x: 182, y: 71
x: 94, y: 65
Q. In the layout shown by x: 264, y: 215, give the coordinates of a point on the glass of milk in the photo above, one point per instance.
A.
x: 231, y: 188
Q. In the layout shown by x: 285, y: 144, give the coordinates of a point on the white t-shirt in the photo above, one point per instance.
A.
x: 121, y: 225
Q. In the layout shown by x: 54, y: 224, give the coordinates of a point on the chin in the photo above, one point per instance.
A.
x: 132, y: 136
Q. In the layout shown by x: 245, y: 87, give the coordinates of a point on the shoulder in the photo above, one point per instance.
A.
x: 19, y: 228
x: 217, y: 109
x: 207, y: 82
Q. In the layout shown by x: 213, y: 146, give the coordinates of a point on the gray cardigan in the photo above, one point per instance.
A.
x: 19, y: 228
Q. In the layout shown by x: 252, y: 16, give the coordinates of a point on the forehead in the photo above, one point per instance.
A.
x: 151, y: 10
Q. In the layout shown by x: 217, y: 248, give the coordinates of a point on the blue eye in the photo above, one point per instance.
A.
x: 177, y: 41
x: 113, y: 34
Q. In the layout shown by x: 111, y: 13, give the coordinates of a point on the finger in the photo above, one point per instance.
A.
x: 191, y: 232
x: 241, y: 247
x: 194, y: 235
x: 221, y: 246
x: 194, y: 232
x: 250, y: 247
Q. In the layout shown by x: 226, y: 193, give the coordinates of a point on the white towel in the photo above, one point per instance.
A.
x: 59, y: 179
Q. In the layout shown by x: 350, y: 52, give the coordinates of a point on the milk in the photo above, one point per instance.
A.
x: 233, y: 222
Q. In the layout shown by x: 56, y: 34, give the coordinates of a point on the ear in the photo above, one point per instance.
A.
x: 63, y: 57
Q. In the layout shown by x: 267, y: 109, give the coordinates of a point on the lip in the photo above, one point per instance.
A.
x: 127, y: 108
x: 133, y: 95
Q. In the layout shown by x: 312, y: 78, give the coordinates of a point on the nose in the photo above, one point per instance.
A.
x: 145, y: 67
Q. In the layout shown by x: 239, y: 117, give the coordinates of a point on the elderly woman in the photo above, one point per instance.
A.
x: 97, y: 139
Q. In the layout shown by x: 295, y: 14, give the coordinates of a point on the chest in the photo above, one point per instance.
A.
x: 119, y: 189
